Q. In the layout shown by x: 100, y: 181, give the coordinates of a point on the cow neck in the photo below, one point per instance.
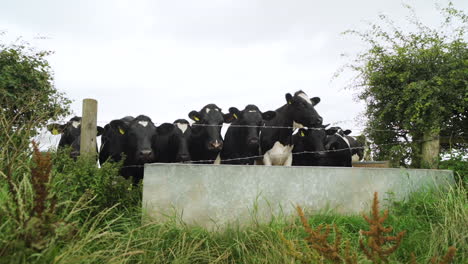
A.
x: 283, y: 135
x: 344, y: 139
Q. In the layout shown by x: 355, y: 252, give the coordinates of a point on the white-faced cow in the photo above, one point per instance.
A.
x: 71, y: 135
x: 138, y: 136
x: 205, y: 140
x: 339, y: 150
x: 174, y: 146
x: 276, y: 137
x: 309, y: 147
x: 242, y: 142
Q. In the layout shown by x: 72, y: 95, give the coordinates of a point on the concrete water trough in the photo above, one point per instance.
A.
x: 214, y: 196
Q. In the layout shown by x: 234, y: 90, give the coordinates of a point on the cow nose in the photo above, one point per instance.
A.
x: 74, y: 154
x: 183, y: 157
x: 319, y: 120
x: 253, y: 141
x: 145, y: 153
x: 216, y: 144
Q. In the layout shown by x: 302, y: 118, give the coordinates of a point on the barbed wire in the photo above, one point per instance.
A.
x: 293, y: 153
x: 359, y: 129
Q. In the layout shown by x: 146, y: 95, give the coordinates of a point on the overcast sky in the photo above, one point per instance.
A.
x: 166, y: 58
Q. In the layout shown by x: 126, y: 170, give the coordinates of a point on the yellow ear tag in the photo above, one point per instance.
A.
x: 196, y: 118
x: 55, y: 131
x: 302, y: 134
x: 121, y: 131
x: 235, y: 116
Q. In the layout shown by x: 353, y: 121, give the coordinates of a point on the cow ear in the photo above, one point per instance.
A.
x: 315, y: 100
x: 347, y: 132
x: 165, y: 128
x: 302, y: 132
x: 120, y: 126
x: 229, y: 117
x: 55, y: 128
x: 268, y: 115
x: 235, y: 113
x: 195, y: 116
x: 100, y: 130
x: 289, y: 98
x: 325, y: 126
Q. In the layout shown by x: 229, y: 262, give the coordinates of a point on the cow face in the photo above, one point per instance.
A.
x: 180, y: 140
x: 112, y: 140
x: 138, y: 136
x: 313, y: 139
x: 301, y: 110
x: 336, y: 139
x: 251, y: 119
x: 71, y: 134
x: 208, y: 123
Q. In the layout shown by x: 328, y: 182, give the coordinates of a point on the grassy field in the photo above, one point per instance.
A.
x: 77, y: 213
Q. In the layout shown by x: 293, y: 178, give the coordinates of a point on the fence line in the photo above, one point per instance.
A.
x: 296, y: 153
x: 264, y: 126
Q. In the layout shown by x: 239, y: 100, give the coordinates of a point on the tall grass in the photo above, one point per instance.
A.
x: 100, y: 222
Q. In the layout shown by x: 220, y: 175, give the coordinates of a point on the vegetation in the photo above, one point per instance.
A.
x: 72, y: 216
x: 415, y: 87
x: 26, y: 86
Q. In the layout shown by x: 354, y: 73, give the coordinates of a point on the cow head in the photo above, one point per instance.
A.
x: 336, y: 138
x: 112, y: 140
x: 251, y: 119
x: 180, y: 140
x: 70, y: 134
x: 301, y: 110
x: 138, y: 135
x: 208, y: 123
x: 313, y: 139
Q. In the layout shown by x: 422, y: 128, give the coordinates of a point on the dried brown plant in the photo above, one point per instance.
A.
x: 317, y: 239
x: 40, y: 173
x: 376, y: 248
x: 448, y: 258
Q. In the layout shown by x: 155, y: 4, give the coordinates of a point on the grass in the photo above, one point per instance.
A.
x: 433, y: 221
x: 89, y: 227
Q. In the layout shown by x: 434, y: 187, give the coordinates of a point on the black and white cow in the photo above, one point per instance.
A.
x: 138, y: 137
x: 112, y: 140
x: 71, y: 135
x: 276, y: 143
x: 309, y: 147
x: 357, y: 147
x: 339, y: 151
x: 205, y: 140
x: 174, y: 146
x: 242, y: 137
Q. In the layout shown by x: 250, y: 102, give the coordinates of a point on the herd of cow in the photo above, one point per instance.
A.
x: 293, y: 134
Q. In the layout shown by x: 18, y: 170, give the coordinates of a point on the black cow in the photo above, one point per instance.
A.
x: 309, y: 147
x: 71, y: 135
x: 174, y: 146
x: 242, y: 137
x: 138, y: 137
x: 339, y: 151
x: 206, y: 141
x: 276, y: 143
x: 112, y: 140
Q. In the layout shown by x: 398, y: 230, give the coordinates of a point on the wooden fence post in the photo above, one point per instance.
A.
x: 430, y: 149
x: 88, y: 128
